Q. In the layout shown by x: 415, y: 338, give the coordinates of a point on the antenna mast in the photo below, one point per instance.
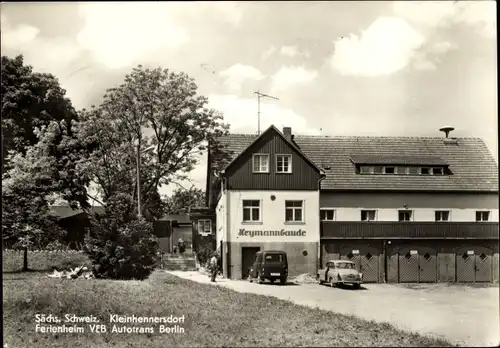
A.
x: 261, y: 95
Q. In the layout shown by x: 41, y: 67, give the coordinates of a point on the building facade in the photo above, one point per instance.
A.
x: 403, y: 209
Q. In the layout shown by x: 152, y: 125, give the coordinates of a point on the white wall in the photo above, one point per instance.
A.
x: 220, y: 219
x: 273, y: 216
x: 419, y: 214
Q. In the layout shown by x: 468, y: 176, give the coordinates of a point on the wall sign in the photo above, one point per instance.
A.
x: 413, y: 252
x: 470, y: 252
x: 271, y: 233
x: 355, y: 252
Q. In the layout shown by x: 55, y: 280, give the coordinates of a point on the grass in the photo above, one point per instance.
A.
x: 215, y: 316
x: 43, y: 261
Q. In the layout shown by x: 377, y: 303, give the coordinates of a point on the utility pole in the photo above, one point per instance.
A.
x: 261, y: 95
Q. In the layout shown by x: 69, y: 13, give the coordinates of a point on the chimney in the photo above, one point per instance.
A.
x: 287, y: 132
x: 446, y: 130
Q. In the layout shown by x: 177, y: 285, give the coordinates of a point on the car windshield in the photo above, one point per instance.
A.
x: 345, y: 265
x: 274, y: 258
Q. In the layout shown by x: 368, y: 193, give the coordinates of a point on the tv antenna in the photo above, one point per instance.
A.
x: 261, y: 95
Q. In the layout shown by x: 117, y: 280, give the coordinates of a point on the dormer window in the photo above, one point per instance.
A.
x: 366, y: 170
x: 437, y: 171
x: 389, y: 170
x: 425, y: 171
x: 261, y: 163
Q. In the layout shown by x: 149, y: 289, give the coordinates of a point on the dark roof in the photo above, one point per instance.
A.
x: 181, y: 219
x: 399, y: 160
x: 63, y: 211
x: 233, y: 159
x: 470, y: 161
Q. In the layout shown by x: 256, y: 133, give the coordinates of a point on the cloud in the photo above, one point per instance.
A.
x: 386, y: 47
x: 293, y: 51
x: 241, y: 114
x: 119, y: 33
x: 268, y: 53
x: 479, y: 14
x: 292, y: 76
x: 237, y: 74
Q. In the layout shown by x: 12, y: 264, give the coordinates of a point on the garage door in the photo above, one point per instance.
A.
x: 417, y: 264
x: 366, y: 259
x: 474, y: 264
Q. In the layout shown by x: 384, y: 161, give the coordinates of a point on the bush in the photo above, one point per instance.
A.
x: 204, y: 253
x: 119, y: 247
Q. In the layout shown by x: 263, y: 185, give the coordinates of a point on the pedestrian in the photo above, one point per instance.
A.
x: 213, y: 267
x: 181, y: 245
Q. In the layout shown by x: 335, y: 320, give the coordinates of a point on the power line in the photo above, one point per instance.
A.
x: 261, y: 95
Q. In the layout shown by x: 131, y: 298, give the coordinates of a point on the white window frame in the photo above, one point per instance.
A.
x: 429, y: 168
x: 260, y: 163
x: 302, y: 208
x: 203, y: 222
x: 406, y: 170
x: 368, y: 210
x: 289, y: 156
x: 252, y: 208
x: 407, y: 211
x: 369, y: 168
x: 438, y: 215
x: 481, y: 212
x: 440, y: 168
x: 328, y: 209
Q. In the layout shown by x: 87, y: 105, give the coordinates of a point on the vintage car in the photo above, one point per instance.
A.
x: 338, y: 272
x: 271, y: 265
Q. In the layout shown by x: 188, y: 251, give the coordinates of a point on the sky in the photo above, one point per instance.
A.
x: 383, y: 68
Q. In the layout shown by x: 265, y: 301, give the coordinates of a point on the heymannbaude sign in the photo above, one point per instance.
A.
x: 271, y: 233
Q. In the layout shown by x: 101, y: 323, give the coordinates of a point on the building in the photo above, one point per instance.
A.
x: 405, y: 209
x: 172, y: 227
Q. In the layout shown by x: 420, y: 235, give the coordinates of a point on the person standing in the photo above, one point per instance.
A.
x: 181, y: 246
x: 213, y: 267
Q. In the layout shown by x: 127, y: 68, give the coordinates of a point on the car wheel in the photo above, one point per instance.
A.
x: 283, y: 281
x: 259, y: 279
x: 332, y: 282
x: 357, y: 286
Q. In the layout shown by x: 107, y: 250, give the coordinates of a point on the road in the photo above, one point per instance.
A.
x: 465, y: 315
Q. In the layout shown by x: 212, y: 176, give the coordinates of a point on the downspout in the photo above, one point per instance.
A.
x: 226, y: 255
x: 318, y: 260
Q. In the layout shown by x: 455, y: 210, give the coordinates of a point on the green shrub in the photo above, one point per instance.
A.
x: 204, y: 253
x: 121, y: 247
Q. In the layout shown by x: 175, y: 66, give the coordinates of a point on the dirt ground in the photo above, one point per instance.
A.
x: 465, y: 315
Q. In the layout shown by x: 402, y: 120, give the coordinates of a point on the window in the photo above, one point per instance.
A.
x: 442, y: 215
x: 205, y: 226
x: 293, y: 211
x: 482, y: 215
x: 413, y: 170
x: 366, y: 170
x: 251, y: 210
x: 437, y: 171
x: 327, y: 214
x: 425, y: 171
x: 389, y: 170
x: 274, y: 258
x: 378, y: 169
x: 405, y: 215
x: 367, y: 215
x: 283, y: 163
x: 402, y: 170
x: 260, y: 163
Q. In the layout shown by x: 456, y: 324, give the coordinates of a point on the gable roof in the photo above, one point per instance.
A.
x: 64, y: 211
x: 471, y: 163
x: 255, y: 139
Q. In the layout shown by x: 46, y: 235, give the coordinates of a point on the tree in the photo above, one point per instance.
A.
x: 156, y: 109
x: 47, y: 170
x: 182, y: 200
x: 29, y: 100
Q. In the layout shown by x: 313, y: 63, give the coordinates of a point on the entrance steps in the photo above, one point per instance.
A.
x: 179, y: 262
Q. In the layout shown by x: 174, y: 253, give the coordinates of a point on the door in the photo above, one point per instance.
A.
x: 366, y: 259
x: 427, y: 268
x: 408, y: 267
x: 474, y: 264
x: 465, y: 268
x: 247, y: 259
x: 483, y: 268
